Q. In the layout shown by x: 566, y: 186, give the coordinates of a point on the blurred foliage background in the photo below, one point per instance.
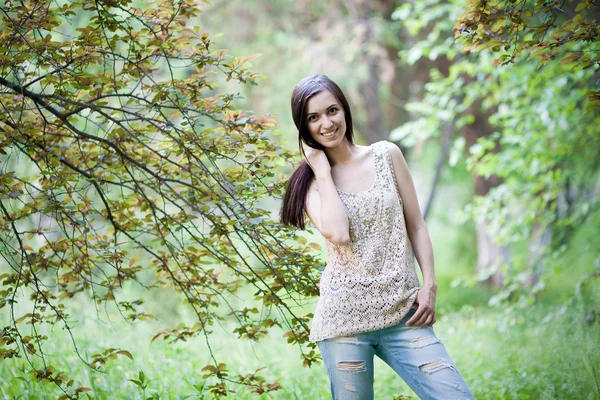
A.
x: 496, y: 107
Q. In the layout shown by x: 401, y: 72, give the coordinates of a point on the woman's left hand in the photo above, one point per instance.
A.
x: 425, y: 314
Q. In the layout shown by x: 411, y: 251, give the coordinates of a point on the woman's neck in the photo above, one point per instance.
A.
x: 341, y: 155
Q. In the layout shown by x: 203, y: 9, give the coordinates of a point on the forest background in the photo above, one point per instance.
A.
x: 145, y: 146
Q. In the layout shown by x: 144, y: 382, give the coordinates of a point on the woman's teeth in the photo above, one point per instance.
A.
x: 328, y: 135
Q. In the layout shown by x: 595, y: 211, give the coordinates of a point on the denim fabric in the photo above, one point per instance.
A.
x: 415, y: 353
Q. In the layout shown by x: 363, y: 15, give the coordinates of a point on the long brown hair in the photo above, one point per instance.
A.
x: 294, y: 200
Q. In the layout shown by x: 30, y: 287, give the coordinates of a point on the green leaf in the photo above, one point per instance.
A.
x: 125, y: 353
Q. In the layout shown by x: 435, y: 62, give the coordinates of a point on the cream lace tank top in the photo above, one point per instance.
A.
x: 371, y: 282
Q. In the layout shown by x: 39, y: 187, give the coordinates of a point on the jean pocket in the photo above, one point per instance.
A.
x: 411, y: 312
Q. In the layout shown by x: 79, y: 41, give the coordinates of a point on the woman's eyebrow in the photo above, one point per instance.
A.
x: 333, y: 105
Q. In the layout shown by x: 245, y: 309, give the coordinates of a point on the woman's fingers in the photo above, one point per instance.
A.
x: 317, y: 159
x: 415, y: 317
x: 430, y: 319
x: 422, y: 317
x: 421, y: 321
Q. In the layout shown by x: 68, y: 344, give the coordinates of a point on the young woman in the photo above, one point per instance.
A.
x: 363, y: 201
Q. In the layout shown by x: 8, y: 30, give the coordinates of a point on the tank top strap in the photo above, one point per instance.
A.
x: 379, y: 156
x: 378, y: 163
x: 386, y: 167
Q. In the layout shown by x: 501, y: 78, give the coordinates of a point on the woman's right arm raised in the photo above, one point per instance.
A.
x: 323, y: 204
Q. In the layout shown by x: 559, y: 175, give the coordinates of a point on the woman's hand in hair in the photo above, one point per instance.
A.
x: 317, y: 160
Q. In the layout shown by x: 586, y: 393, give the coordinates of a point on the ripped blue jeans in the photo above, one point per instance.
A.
x: 415, y: 353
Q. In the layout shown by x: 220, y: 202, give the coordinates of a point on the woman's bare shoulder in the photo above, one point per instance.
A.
x: 396, y: 156
x: 394, y: 149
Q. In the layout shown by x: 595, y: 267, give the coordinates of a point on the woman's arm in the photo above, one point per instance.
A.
x: 323, y: 204
x: 419, y: 237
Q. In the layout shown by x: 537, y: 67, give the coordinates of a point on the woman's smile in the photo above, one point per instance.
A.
x: 329, y: 134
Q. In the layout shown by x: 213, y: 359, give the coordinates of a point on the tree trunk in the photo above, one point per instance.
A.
x: 490, y: 255
x: 439, y: 167
x: 369, y: 89
x: 538, y: 245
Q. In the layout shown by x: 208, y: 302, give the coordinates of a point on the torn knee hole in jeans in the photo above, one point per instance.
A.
x: 434, y: 366
x: 424, y: 341
x: 352, y: 366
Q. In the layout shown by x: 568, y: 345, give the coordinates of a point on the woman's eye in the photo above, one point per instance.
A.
x: 311, y: 118
x: 333, y: 110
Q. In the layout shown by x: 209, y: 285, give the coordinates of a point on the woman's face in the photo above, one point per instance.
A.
x: 325, y: 119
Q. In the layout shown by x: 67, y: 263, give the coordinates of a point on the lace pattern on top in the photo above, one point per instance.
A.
x: 371, y: 282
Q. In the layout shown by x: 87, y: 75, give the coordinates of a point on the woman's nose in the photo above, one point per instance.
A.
x: 327, y: 122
